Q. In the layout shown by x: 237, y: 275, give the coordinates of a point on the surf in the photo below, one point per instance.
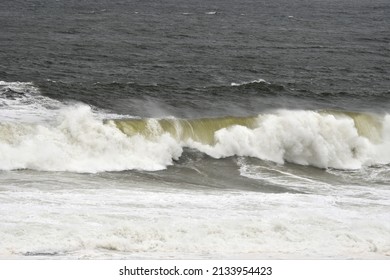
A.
x: 343, y: 140
x: 78, y: 140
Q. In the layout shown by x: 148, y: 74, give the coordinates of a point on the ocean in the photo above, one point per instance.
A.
x: 195, y: 129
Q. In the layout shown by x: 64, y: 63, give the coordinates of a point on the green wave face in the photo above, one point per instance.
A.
x: 203, y: 130
x: 82, y: 143
x: 200, y: 130
x: 367, y: 125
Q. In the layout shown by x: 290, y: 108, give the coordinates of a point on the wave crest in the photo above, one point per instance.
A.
x: 78, y: 141
x: 305, y: 137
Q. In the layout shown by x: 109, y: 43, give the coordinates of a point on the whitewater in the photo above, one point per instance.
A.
x: 108, y: 185
x: 194, y: 129
x: 77, y: 140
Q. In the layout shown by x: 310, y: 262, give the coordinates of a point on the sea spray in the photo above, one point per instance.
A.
x: 77, y: 140
x: 302, y: 137
x: 342, y: 140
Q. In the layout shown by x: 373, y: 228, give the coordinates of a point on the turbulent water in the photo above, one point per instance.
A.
x: 195, y: 129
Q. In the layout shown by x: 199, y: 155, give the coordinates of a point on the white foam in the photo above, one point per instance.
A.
x: 76, y: 139
x: 277, y: 177
x: 121, y: 220
x: 26, y: 104
x: 302, y: 137
x: 20, y: 87
x: 78, y: 142
x: 258, y: 81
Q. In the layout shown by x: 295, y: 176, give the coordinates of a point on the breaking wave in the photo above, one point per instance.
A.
x: 79, y: 141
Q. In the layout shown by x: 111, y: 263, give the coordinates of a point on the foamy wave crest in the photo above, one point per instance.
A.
x: 323, y: 139
x: 23, y: 101
x: 79, y: 142
x: 306, y: 138
x: 17, y: 87
x: 259, y: 81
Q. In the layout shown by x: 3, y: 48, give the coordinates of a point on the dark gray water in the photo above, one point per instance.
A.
x: 116, y: 54
x: 201, y: 129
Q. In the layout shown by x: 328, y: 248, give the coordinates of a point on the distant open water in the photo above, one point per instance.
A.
x: 209, y: 129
